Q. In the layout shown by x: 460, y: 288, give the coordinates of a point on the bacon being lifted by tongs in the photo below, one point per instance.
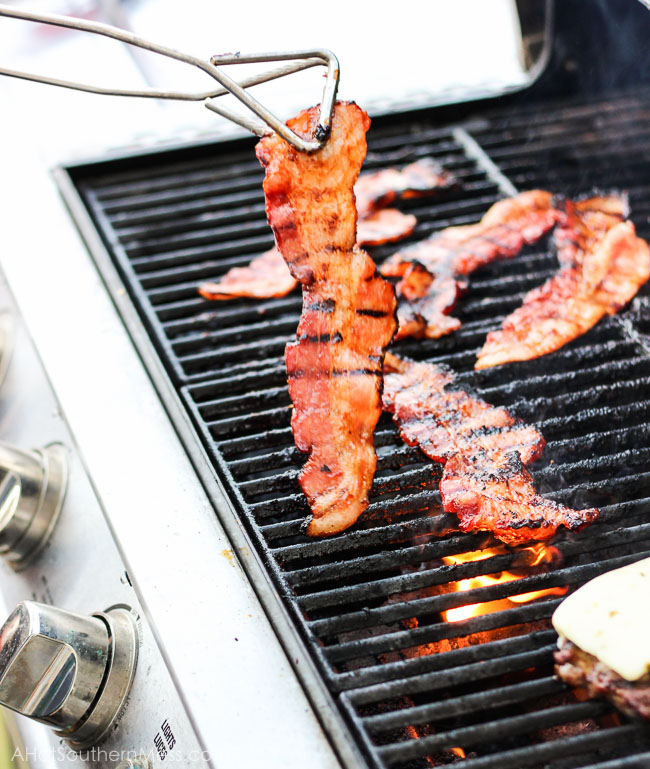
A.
x: 267, y: 275
x: 334, y: 367
x: 433, y: 272
x: 603, y: 265
x: 484, y: 450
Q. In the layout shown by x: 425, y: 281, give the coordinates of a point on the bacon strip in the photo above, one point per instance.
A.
x: 335, y: 366
x: 267, y: 275
x: 584, y: 223
x: 384, y: 226
x: 495, y: 492
x: 456, y: 252
x: 444, y: 422
x: 604, y: 265
x: 484, y: 450
x: 424, y: 301
x: 378, y: 189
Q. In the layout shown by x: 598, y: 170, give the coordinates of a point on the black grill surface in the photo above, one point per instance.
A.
x: 369, y: 603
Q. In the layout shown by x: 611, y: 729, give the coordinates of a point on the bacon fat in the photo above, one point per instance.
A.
x: 335, y: 365
x: 604, y: 265
x: 456, y: 252
x: 484, y: 450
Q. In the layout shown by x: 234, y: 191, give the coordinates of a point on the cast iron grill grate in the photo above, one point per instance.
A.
x: 370, y: 604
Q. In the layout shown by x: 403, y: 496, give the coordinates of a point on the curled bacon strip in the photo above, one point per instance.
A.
x: 604, y: 265
x: 484, y: 450
x: 267, y: 275
x: 424, y: 301
x: 335, y: 366
x: 450, y: 255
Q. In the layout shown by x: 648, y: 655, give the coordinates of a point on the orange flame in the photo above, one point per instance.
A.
x: 414, y: 733
x: 540, y: 553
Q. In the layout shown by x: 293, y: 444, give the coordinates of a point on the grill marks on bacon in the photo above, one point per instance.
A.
x: 495, y: 492
x: 454, y: 253
x: 484, y: 449
x: 443, y: 422
x: 335, y: 365
x: 267, y: 275
x: 602, y: 266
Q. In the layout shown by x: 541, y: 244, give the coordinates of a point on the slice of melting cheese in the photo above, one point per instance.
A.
x: 609, y: 617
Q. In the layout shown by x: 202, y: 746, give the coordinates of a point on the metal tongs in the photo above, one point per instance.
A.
x: 299, y: 60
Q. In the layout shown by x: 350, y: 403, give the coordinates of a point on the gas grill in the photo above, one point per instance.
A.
x: 412, y: 689
x: 396, y: 679
x: 368, y: 602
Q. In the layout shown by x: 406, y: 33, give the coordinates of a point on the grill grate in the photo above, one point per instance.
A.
x: 369, y: 603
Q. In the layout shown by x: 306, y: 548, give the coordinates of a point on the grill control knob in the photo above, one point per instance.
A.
x: 70, y: 671
x: 32, y: 488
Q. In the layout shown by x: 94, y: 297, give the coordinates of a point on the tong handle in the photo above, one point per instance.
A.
x: 300, y: 60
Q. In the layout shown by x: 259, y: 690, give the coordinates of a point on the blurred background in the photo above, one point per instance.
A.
x: 456, y: 47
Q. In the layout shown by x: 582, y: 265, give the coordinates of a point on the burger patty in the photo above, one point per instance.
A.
x: 579, y: 668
